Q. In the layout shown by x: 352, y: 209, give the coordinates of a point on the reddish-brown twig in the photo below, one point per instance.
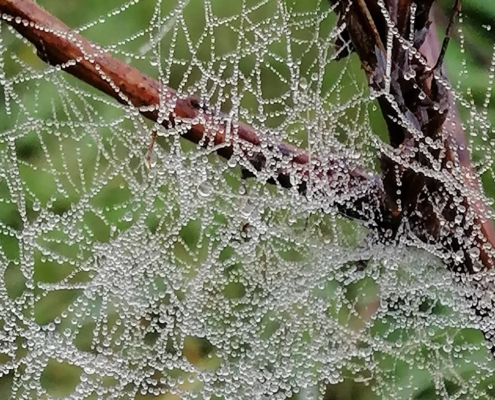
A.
x: 58, y: 45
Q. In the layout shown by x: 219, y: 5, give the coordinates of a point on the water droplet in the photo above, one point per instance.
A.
x: 232, y: 162
x: 474, y: 252
x: 127, y: 216
x: 303, y: 83
x: 205, y: 189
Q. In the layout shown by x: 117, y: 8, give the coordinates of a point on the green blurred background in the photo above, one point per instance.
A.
x: 478, y: 37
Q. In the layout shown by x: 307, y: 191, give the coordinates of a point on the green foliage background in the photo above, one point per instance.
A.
x: 59, y: 378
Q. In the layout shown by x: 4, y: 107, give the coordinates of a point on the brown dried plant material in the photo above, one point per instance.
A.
x: 432, y: 191
x: 429, y: 183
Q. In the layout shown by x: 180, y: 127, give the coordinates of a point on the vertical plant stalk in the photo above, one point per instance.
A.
x: 432, y: 191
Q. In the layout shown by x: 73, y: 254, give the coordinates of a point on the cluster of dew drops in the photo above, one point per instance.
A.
x: 180, y: 278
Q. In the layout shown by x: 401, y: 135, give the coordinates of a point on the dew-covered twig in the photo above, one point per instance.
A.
x: 432, y: 192
x: 195, y: 121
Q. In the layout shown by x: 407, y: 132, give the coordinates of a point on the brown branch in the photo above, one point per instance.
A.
x: 354, y: 191
x: 432, y: 191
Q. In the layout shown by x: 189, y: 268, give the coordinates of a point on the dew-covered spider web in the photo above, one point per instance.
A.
x: 176, y: 274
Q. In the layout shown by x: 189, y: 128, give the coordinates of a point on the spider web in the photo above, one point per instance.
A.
x: 184, y: 280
